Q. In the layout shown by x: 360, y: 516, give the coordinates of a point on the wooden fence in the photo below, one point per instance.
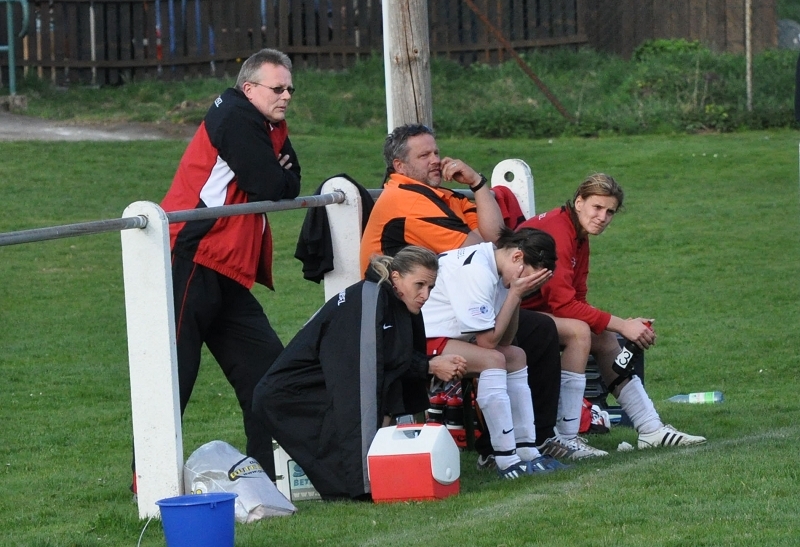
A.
x: 619, y: 26
x: 113, y: 41
x: 456, y: 31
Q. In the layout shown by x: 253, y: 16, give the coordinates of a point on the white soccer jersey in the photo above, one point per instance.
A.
x: 467, y: 295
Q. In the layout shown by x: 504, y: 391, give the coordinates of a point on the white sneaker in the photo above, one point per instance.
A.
x: 572, y: 449
x: 668, y: 436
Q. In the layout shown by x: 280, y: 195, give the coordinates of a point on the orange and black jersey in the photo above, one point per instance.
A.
x: 409, y: 212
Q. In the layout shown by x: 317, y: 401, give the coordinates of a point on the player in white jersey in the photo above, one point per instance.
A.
x: 473, y: 312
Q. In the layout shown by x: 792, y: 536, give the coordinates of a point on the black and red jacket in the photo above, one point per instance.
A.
x: 232, y: 158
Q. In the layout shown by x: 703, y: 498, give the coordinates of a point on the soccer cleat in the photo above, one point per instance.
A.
x: 547, y: 464
x: 572, y: 449
x: 515, y: 471
x: 486, y: 462
x: 668, y: 436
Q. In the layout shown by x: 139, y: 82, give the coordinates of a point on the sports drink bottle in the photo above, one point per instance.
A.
x: 704, y: 397
x: 436, y: 409
x: 454, y: 413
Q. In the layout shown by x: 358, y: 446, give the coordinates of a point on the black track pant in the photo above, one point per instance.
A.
x: 537, y: 335
x: 213, y: 309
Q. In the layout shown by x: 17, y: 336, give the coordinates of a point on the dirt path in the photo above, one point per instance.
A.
x: 15, y: 127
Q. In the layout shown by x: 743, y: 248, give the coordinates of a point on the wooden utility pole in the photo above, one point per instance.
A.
x: 407, y: 63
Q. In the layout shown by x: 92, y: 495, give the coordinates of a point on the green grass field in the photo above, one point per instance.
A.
x: 707, y: 244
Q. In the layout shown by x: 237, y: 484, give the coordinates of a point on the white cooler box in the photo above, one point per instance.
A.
x: 413, y: 462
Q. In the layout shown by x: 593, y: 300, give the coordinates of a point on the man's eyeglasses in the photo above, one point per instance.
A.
x: 277, y: 90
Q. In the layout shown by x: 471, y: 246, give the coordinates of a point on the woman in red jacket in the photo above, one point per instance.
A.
x: 584, y: 329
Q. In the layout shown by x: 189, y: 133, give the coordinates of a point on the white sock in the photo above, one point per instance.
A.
x: 493, y: 400
x: 637, y: 405
x: 570, y: 403
x: 519, y: 395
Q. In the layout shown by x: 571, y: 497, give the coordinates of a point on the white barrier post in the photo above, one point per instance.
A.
x: 153, y: 361
x: 517, y: 176
x: 345, y: 222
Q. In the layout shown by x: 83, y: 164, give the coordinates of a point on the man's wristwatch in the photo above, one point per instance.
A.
x: 479, y: 185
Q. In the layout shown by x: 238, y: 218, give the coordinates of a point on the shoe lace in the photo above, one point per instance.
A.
x: 570, y: 444
x: 579, y: 443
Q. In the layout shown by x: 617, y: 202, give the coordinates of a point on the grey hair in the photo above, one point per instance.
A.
x: 396, y: 144
x: 253, y: 64
x: 404, y: 262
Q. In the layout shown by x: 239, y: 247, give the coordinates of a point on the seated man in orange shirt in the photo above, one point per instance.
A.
x: 415, y: 209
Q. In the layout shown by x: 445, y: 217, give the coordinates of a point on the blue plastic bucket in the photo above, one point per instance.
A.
x: 198, y: 520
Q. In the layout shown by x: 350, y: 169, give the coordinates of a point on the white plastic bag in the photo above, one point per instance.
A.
x: 218, y: 467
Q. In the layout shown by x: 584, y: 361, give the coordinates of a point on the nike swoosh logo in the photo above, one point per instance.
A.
x: 507, y: 432
x: 387, y: 327
x: 570, y: 420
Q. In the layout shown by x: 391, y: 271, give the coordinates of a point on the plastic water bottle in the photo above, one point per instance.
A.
x: 704, y: 397
x: 625, y: 357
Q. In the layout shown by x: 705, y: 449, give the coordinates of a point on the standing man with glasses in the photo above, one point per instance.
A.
x: 240, y: 153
